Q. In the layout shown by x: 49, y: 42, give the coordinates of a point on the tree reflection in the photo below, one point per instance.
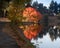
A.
x: 37, y: 30
x: 54, y: 33
x: 31, y: 31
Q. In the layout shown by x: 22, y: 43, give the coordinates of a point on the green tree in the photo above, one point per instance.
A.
x: 15, y: 10
x: 39, y: 6
x: 35, y: 5
x: 52, y: 6
x: 56, y: 8
x: 59, y: 7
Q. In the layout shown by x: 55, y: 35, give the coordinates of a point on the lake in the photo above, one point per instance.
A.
x: 39, y: 36
x: 51, y: 39
x: 45, y: 37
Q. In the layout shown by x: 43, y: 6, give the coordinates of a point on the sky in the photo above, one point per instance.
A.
x: 46, y: 2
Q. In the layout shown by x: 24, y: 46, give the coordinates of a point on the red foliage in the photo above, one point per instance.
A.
x: 32, y: 31
x: 32, y: 14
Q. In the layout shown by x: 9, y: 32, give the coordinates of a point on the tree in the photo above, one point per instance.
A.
x: 35, y: 4
x: 15, y: 10
x: 59, y: 7
x: 52, y: 6
x: 31, y: 15
x: 56, y: 8
x: 40, y: 8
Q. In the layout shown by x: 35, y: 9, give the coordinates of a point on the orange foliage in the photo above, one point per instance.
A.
x: 32, y: 31
x: 32, y: 14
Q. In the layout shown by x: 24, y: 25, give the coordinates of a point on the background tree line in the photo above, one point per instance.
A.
x: 54, y: 8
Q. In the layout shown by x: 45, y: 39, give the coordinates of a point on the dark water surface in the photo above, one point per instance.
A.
x: 6, y: 41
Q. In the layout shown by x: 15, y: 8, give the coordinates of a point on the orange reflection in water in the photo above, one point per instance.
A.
x: 32, y: 31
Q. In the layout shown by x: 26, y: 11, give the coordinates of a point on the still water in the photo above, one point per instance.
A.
x: 50, y: 40
x: 46, y: 42
x: 42, y: 37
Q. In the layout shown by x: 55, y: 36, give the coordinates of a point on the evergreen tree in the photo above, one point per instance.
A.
x: 52, y: 4
x: 35, y: 4
x: 59, y: 7
x: 56, y: 8
x: 40, y: 8
x: 53, y: 7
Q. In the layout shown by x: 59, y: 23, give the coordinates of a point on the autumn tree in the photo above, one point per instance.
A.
x: 32, y: 15
x: 15, y: 10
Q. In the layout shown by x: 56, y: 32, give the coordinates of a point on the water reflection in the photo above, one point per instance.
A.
x: 54, y: 32
x: 31, y: 31
x: 48, y: 39
x: 42, y: 37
